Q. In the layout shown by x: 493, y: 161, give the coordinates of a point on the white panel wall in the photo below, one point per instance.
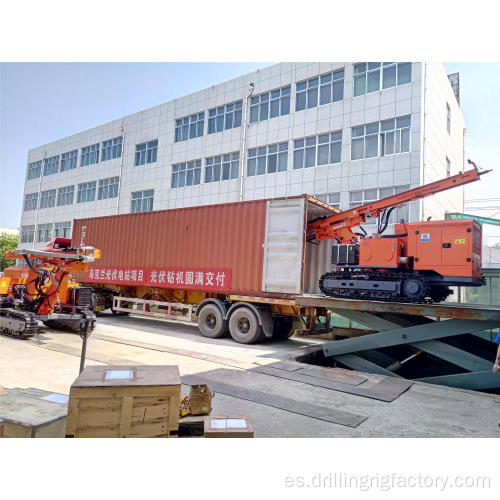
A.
x: 439, y: 144
x: 159, y: 123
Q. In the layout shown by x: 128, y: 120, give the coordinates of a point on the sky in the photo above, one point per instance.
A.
x: 43, y: 102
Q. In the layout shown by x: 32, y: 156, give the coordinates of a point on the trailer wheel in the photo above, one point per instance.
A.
x: 283, y: 327
x: 244, y: 326
x: 211, y: 323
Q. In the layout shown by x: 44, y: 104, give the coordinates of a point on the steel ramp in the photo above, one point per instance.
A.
x: 422, y: 327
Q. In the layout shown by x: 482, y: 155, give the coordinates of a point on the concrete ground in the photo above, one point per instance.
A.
x: 50, y: 361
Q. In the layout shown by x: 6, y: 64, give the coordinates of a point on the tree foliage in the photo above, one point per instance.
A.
x: 7, y: 244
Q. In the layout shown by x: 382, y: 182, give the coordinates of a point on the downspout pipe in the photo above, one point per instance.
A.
x: 120, y: 171
x: 244, y: 141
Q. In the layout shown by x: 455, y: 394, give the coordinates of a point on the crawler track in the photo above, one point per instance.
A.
x: 364, y: 287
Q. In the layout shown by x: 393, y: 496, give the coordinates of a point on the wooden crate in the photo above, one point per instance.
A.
x: 32, y: 413
x: 125, y: 401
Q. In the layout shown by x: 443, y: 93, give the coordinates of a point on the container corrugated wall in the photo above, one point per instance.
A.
x: 226, y: 236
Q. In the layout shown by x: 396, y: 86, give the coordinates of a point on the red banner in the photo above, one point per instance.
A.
x: 180, y: 278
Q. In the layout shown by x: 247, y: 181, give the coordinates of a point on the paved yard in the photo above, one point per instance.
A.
x: 50, y: 361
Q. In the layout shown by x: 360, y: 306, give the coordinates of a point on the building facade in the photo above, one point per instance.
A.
x: 347, y: 133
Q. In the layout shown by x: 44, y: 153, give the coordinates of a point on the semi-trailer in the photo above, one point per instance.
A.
x: 234, y: 268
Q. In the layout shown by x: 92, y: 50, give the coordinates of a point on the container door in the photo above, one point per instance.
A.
x: 284, y: 246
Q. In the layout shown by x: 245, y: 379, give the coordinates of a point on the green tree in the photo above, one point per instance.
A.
x: 7, y: 244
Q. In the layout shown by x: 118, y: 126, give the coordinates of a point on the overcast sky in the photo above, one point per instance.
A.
x: 40, y: 103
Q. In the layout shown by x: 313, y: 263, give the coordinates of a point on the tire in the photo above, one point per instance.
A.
x: 283, y: 327
x: 244, y: 326
x: 211, y: 323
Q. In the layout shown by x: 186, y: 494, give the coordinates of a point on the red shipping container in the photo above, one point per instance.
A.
x: 252, y: 248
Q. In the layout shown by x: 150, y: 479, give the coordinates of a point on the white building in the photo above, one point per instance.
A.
x: 345, y: 132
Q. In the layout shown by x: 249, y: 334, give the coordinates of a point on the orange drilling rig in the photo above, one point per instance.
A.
x: 42, y: 290
x: 418, y: 263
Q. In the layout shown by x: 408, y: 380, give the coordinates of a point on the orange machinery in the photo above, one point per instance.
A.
x: 42, y: 290
x: 418, y: 263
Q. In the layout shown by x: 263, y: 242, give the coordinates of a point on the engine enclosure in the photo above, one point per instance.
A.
x: 450, y: 248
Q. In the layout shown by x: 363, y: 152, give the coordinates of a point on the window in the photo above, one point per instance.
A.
x: 320, y: 149
x: 224, y: 117
x: 68, y: 160
x: 189, y: 127
x: 186, y: 174
x: 30, y: 202
x: 320, y: 90
x: 90, y: 155
x: 142, y: 201
x: 267, y: 159
x: 364, y: 142
x: 448, y: 118
x: 112, y: 148
x: 373, y: 76
x: 51, y: 165
x: 28, y: 233
x: 108, y: 188
x: 448, y: 167
x: 34, y: 169
x: 394, y: 138
x: 222, y: 168
x: 65, y: 195
x: 332, y: 199
x: 62, y: 229
x: 270, y: 104
x: 44, y: 232
x: 48, y: 198
x: 146, y: 152
x: 86, y: 192
x: 395, y: 135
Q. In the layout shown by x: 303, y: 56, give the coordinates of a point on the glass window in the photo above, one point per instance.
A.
x: 69, y: 160
x: 62, y: 229
x: 322, y: 149
x: 395, y: 135
x: 112, y: 148
x: 48, y: 198
x: 44, y: 232
x: 30, y: 202
x: 222, y: 167
x: 108, y: 188
x: 142, y: 201
x: 34, y: 170
x: 448, y: 167
x: 267, y: 159
x: 86, y: 192
x: 90, y: 155
x: 51, y: 165
x: 146, y: 152
x: 28, y: 233
x: 224, y: 117
x: 65, y: 195
x: 186, y: 174
x: 370, y: 77
x: 320, y: 90
x: 332, y: 199
x: 270, y: 104
x: 189, y: 127
x: 404, y: 73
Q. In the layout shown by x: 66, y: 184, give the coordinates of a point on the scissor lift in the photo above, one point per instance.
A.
x: 439, y: 330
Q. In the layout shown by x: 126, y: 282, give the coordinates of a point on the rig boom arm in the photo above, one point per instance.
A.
x: 339, y: 226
